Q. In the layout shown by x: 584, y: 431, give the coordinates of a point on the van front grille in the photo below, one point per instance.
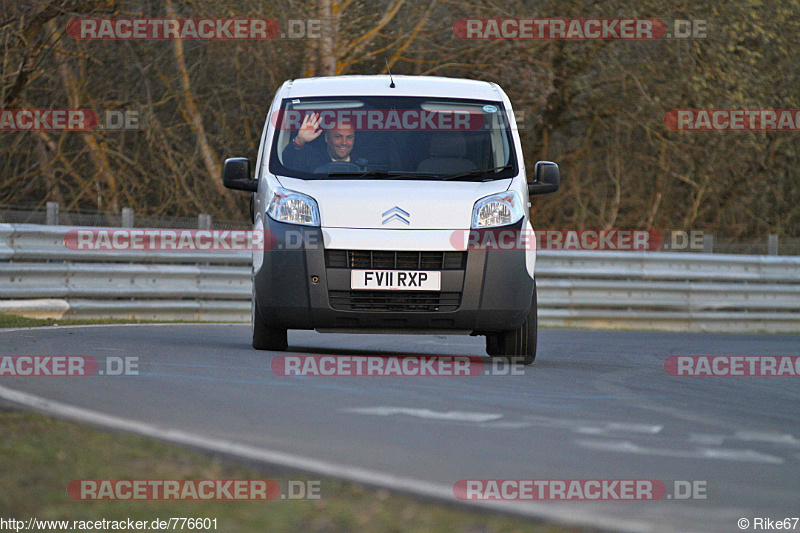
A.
x: 397, y: 301
x: 395, y: 260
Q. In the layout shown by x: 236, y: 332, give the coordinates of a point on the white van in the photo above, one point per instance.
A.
x: 370, y: 191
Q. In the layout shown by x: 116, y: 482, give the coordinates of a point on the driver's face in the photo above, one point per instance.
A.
x: 340, y: 142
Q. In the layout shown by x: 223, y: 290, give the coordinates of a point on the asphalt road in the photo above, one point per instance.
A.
x: 595, y: 405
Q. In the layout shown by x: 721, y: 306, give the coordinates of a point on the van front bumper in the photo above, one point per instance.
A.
x: 302, y: 284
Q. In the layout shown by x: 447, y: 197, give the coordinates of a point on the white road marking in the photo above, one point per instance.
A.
x: 589, y: 427
x: 457, y: 416
x: 775, y: 438
x: 747, y: 436
x: 650, y: 429
x: 698, y: 453
x: 133, y: 325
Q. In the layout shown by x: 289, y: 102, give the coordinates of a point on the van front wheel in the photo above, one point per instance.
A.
x: 519, y: 345
x: 265, y: 338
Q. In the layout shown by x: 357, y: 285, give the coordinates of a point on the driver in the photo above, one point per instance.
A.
x: 339, y: 141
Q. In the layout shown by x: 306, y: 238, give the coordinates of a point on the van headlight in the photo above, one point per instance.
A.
x: 499, y: 209
x: 293, y: 208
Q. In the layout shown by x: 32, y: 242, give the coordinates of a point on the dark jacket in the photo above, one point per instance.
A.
x: 310, y: 156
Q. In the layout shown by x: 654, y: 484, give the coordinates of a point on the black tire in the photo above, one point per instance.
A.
x: 264, y: 338
x: 519, y: 345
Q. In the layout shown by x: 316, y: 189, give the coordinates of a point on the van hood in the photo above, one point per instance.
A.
x: 389, y: 204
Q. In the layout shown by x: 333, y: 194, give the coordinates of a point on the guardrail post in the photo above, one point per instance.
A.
x: 708, y: 243
x: 203, y: 221
x: 52, y: 214
x: 127, y: 217
x: 772, y: 244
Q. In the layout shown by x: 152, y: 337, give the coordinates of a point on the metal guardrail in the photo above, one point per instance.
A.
x: 677, y: 240
x: 32, y: 242
x: 39, y: 276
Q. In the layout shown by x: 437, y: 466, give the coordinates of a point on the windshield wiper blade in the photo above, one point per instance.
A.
x: 477, y: 173
x: 383, y: 174
x: 410, y: 176
x: 394, y: 175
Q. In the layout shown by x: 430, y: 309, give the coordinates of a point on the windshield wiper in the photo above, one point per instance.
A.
x: 394, y: 175
x: 477, y: 173
x: 382, y: 174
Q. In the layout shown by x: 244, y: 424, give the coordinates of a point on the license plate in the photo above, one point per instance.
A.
x: 403, y: 280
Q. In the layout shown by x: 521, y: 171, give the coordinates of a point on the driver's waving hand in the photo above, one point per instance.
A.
x: 301, y: 155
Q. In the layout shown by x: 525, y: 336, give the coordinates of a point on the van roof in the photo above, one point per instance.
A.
x: 378, y: 85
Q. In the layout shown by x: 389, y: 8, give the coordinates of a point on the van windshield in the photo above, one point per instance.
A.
x: 383, y: 137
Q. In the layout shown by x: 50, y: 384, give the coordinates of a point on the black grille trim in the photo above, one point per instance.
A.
x: 395, y: 260
x: 395, y: 301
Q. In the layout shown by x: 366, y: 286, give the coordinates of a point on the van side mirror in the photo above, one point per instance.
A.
x: 547, y: 178
x: 236, y: 175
